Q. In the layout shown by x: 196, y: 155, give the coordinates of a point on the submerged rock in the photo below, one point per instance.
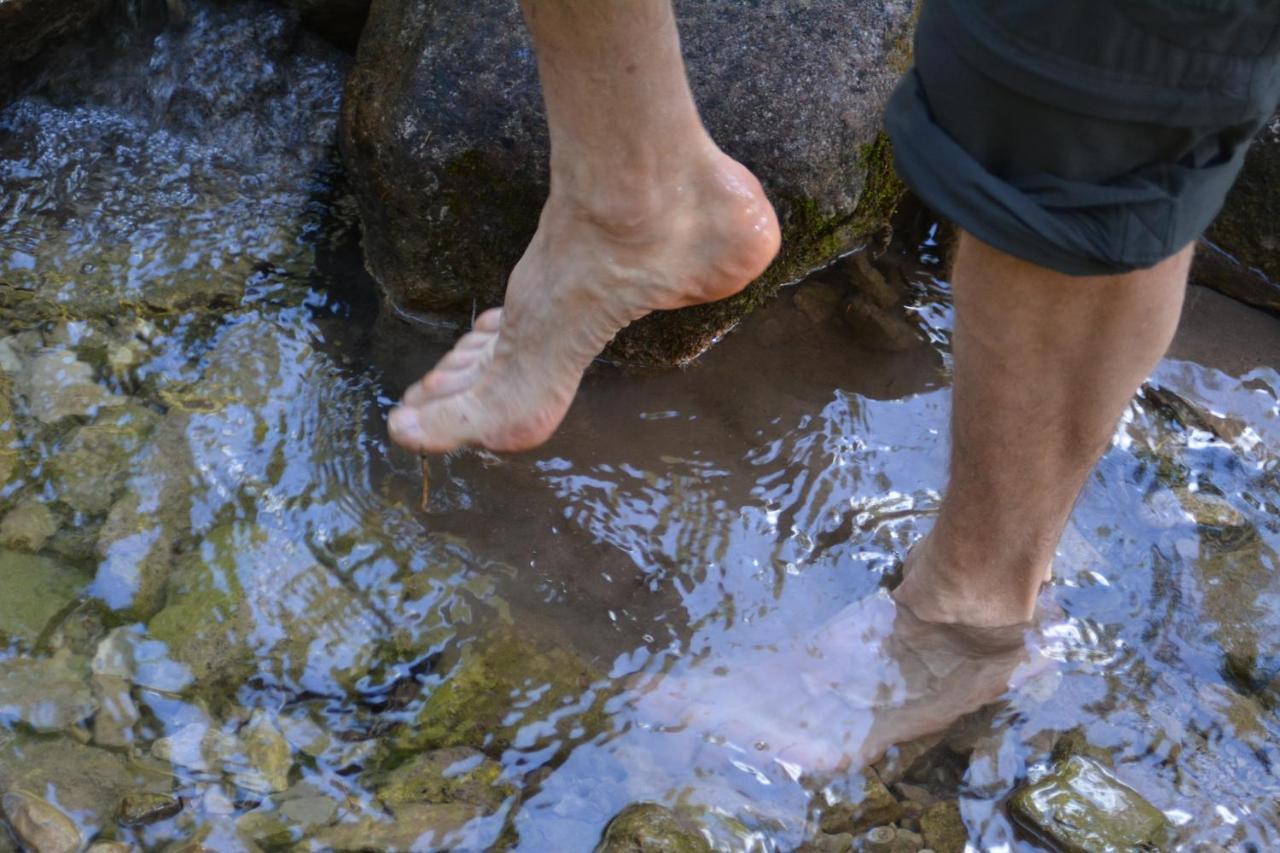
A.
x: 59, y: 386
x: 89, y: 470
x: 142, y: 808
x: 84, y: 780
x: 39, y: 825
x: 47, y: 694
x: 652, y: 828
x: 498, y: 683
x: 1243, y: 259
x: 1081, y: 807
x: 444, y: 135
x: 28, y: 526
x: 452, y: 775
x: 161, y: 172
x: 943, y: 828
x: 251, y: 601
x: 35, y: 590
x: 875, y: 807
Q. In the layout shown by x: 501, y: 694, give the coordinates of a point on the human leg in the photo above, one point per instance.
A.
x: 645, y: 213
x: 1044, y: 366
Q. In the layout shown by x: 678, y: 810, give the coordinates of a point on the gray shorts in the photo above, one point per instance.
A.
x: 1087, y: 136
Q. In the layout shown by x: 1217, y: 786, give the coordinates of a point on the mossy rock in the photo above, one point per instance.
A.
x: 496, y: 684
x: 1081, y: 808
x: 874, y: 806
x: 943, y: 828
x: 652, y: 828
x: 444, y: 135
x: 1244, y: 258
x: 36, y: 589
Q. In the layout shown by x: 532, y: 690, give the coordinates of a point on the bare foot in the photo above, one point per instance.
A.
x: 872, y: 677
x: 697, y: 237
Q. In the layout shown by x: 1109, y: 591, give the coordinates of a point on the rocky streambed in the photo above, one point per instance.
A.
x: 227, y: 625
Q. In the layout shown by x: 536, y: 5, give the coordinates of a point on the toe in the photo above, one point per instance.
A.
x: 406, y: 429
x: 443, y: 382
x: 489, y: 321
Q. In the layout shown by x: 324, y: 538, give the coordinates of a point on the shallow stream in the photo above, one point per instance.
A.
x: 220, y: 588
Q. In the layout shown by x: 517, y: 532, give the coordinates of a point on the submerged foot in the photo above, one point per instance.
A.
x: 871, y: 677
x: 695, y: 237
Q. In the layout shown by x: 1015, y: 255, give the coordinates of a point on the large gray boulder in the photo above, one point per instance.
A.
x: 27, y: 25
x: 444, y: 134
x: 1243, y: 259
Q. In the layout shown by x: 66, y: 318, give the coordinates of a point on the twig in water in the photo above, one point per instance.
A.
x: 426, y: 485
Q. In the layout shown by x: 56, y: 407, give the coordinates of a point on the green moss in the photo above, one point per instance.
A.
x: 498, y: 684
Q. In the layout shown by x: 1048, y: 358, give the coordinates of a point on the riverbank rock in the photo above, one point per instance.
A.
x: 1243, y: 260
x: 1081, y: 807
x: 652, y: 828
x: 444, y: 135
x: 27, y: 25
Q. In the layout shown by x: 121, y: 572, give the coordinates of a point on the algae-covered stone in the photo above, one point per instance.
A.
x: 500, y: 681
x: 652, y: 828
x: 141, y: 808
x: 824, y: 843
x: 875, y: 806
x: 27, y: 526
x: 268, y: 758
x: 89, y: 470
x: 84, y: 780
x: 47, y: 694
x: 419, y: 826
x: 39, y: 825
x: 295, y: 814
x: 444, y: 134
x: 943, y: 828
x: 35, y: 590
x: 453, y: 775
x: 1081, y: 808
x: 250, y: 600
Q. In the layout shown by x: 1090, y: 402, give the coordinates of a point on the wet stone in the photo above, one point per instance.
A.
x: 267, y: 755
x: 89, y: 470
x: 117, y: 713
x: 823, y: 843
x: 652, y: 828
x: 46, y: 694
x: 943, y: 828
x: 27, y: 526
x: 35, y: 590
x: 39, y: 825
x: 59, y: 386
x: 143, y: 808
x: 453, y: 775
x: 875, y: 806
x: 1080, y: 806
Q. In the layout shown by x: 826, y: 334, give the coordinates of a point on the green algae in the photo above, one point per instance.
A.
x: 476, y: 703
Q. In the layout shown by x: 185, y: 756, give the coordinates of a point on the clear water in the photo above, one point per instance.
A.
x: 247, y: 565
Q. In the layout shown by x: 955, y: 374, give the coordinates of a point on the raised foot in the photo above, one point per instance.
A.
x: 699, y: 237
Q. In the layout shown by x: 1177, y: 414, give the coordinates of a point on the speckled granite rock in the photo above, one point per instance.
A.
x: 444, y: 134
x: 1247, y: 232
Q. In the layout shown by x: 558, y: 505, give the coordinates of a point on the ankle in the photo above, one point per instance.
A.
x: 629, y: 193
x: 938, y: 587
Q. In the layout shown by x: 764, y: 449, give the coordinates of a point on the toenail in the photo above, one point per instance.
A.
x: 404, y: 425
